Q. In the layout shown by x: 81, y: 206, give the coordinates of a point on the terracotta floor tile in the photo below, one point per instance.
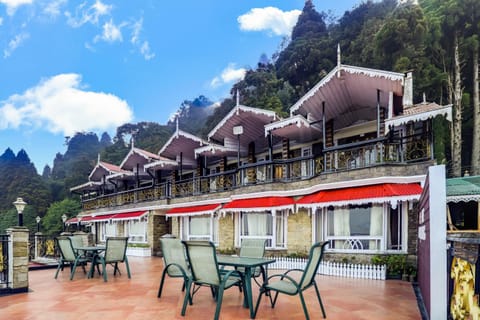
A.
x: 136, y: 298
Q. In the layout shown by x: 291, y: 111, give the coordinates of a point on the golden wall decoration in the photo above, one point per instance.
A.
x: 464, y: 301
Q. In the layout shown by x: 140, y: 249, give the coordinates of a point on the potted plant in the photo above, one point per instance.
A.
x: 412, y: 273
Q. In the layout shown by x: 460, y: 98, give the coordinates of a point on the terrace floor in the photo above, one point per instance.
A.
x: 136, y: 298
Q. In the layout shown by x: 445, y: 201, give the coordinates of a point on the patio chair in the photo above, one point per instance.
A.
x: 115, y: 252
x: 253, y: 248
x: 175, y: 262
x: 202, y: 259
x: 68, y: 255
x: 77, y: 241
x: 286, y: 284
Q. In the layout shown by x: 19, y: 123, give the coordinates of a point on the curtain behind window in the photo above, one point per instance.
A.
x: 376, y: 225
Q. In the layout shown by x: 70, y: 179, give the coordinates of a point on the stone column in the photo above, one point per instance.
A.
x: 18, y: 259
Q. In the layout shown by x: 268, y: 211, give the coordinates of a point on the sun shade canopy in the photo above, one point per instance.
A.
x: 193, y: 210
x: 107, y: 217
x: 259, y: 204
x: 379, y: 193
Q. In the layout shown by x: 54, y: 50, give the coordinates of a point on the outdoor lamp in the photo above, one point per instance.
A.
x: 20, y: 205
x: 64, y: 219
x: 38, y: 223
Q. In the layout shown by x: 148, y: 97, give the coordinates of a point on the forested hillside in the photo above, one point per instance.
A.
x: 437, y: 39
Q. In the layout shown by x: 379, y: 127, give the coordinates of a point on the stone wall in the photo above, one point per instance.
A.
x: 299, y: 232
x: 157, y: 227
x: 18, y: 259
x: 226, y: 233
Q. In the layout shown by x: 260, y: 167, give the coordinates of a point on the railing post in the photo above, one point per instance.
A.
x: 18, y: 259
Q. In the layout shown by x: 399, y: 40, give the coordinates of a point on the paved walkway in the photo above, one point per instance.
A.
x: 136, y: 298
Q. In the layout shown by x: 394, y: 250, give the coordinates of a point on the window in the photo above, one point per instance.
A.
x: 136, y: 230
x: 107, y: 229
x: 369, y: 227
x: 263, y: 225
x: 202, y: 227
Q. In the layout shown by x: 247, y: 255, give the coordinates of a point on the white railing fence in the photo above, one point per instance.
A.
x: 337, y: 269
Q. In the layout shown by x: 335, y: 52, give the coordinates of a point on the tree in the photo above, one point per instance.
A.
x: 52, y: 221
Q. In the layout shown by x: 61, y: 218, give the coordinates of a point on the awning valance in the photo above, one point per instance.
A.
x: 379, y: 193
x: 193, y: 210
x: 112, y: 217
x: 73, y: 220
x: 259, y: 204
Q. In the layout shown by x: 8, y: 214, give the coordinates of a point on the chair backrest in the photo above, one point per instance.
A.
x: 77, y: 241
x: 314, y: 258
x: 174, y: 252
x: 66, y: 248
x: 203, y: 262
x: 116, y: 248
x: 252, y: 248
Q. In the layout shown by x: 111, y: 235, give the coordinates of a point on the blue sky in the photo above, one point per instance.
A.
x: 71, y: 66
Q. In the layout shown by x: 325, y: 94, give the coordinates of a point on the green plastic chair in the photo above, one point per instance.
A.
x: 115, y: 252
x: 68, y: 255
x: 253, y: 248
x: 202, y: 259
x: 290, y: 286
x: 175, y: 262
x: 77, y: 241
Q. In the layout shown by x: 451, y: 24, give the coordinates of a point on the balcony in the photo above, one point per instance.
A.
x: 374, y: 153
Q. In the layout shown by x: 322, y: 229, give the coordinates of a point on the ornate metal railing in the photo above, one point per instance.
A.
x: 463, y: 264
x: 352, y: 156
x: 4, y: 260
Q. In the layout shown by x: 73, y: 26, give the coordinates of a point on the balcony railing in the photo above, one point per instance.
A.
x: 334, y: 159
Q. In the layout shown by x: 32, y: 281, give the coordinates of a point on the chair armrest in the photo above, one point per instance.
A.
x: 282, y: 277
x: 178, y: 266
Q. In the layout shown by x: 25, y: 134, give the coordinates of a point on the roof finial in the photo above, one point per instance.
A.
x: 238, y: 97
x: 133, y: 141
x: 176, y: 120
x: 339, y: 60
x: 98, y: 158
x: 424, y: 98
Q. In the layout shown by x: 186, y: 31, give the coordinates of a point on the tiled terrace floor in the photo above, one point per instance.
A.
x: 136, y: 298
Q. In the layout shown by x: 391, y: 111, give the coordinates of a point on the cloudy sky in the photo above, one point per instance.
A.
x: 92, y: 65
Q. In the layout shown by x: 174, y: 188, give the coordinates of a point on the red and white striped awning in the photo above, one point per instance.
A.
x: 132, y: 215
x: 378, y: 193
x: 259, y: 204
x: 193, y: 210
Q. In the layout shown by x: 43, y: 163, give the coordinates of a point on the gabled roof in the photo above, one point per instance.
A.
x: 137, y: 156
x: 103, y: 169
x: 350, y: 94
x: 162, y: 164
x: 296, y: 128
x: 252, y: 121
x: 184, y: 143
x: 90, y: 185
x: 419, y: 112
x: 215, y: 150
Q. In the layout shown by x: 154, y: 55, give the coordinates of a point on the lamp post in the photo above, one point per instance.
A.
x: 64, y: 219
x: 20, y: 205
x: 38, y: 223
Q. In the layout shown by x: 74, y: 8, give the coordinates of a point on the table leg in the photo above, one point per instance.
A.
x: 248, y: 289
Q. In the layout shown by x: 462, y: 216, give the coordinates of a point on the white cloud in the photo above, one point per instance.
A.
x: 87, y: 14
x: 146, y: 52
x: 12, y: 5
x: 228, y: 75
x: 52, y: 8
x: 15, y: 43
x: 269, y: 19
x: 111, y: 33
x: 136, y: 29
x: 60, y: 104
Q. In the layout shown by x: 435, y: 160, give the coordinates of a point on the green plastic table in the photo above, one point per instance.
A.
x: 249, y: 264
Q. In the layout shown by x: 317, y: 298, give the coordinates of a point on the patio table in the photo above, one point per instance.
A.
x: 249, y: 264
x: 92, y: 251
